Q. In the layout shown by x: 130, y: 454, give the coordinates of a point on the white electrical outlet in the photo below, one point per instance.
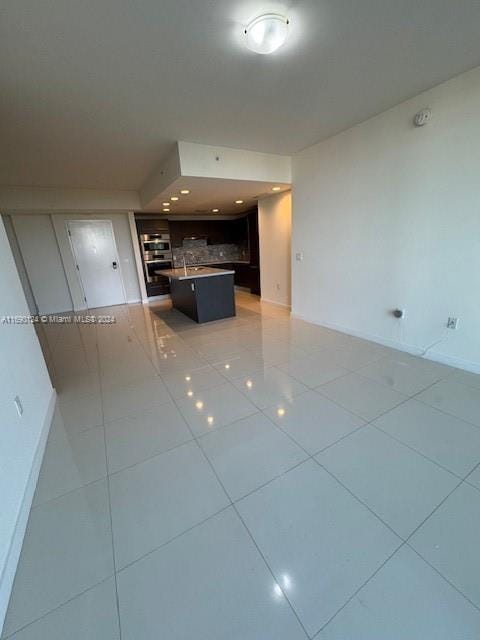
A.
x: 452, y: 323
x: 18, y: 405
x: 299, y: 256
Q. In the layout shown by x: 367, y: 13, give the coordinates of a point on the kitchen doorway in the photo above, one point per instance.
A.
x: 96, y: 258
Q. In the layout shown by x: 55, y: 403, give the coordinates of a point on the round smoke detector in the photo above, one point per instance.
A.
x: 422, y: 117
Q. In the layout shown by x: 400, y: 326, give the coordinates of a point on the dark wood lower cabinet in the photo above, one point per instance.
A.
x: 248, y: 276
x: 204, y: 299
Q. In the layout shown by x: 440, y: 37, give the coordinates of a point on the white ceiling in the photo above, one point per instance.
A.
x: 95, y: 92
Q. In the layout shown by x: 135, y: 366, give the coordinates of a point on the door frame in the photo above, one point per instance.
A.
x: 72, y: 249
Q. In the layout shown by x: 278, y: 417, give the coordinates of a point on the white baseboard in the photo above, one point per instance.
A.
x: 134, y: 301
x: 10, y: 568
x: 276, y: 304
x: 165, y: 296
x: 435, y: 356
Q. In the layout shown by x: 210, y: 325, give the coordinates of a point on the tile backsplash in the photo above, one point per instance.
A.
x: 199, y: 252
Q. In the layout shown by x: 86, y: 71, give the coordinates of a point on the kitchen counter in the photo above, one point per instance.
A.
x: 203, y: 293
x: 193, y: 273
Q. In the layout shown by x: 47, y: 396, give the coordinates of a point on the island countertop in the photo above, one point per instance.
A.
x: 193, y: 272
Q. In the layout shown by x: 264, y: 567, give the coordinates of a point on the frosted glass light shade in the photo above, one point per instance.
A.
x: 266, y: 33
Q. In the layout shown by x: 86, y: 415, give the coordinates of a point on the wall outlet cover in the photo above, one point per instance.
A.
x: 18, y: 405
x: 452, y: 323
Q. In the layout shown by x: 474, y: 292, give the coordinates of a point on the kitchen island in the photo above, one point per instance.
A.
x: 202, y: 293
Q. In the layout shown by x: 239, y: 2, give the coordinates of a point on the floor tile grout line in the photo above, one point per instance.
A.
x: 332, y: 444
x: 357, y: 415
x: 173, y: 539
x: 405, y: 542
x: 477, y: 466
x: 368, y: 422
x: 364, y: 584
x: 57, y: 607
x: 439, y: 573
x: 234, y: 503
x: 359, y: 500
x: 196, y: 438
x: 254, y: 542
x: 461, y: 481
x: 457, y: 486
x: 446, y: 413
x: 417, y: 451
x: 69, y: 492
x: 411, y: 366
x: 112, y: 536
x: 342, y: 375
x: 245, y: 395
x: 231, y: 504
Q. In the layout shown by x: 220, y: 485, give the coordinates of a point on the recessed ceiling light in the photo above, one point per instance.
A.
x: 215, y: 210
x: 238, y: 201
x: 174, y: 198
x: 267, y: 33
x: 185, y: 192
x: 166, y: 210
x: 276, y: 188
x: 166, y: 204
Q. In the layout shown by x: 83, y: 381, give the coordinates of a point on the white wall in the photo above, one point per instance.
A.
x: 235, y: 164
x: 123, y: 239
x: 38, y: 244
x: 388, y: 215
x: 274, y: 227
x: 19, y: 263
x: 46, y: 200
x: 22, y: 439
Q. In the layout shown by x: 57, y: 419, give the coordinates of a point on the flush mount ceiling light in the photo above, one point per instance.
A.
x: 266, y: 33
x: 238, y: 201
x: 166, y: 204
x: 276, y: 188
x: 185, y: 192
x: 166, y: 210
x: 215, y: 210
x: 174, y: 198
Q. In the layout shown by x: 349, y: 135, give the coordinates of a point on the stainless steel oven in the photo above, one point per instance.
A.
x: 157, y: 255
x: 151, y: 266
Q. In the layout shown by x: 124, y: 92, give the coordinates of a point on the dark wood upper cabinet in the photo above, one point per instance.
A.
x: 214, y: 231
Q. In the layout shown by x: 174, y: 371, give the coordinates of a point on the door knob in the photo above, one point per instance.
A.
x: 114, y: 265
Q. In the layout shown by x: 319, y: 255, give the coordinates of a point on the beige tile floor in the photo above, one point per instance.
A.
x: 254, y: 478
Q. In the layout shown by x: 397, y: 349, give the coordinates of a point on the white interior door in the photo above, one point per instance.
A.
x: 96, y: 258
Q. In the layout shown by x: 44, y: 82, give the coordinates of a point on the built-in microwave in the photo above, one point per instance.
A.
x: 154, y: 243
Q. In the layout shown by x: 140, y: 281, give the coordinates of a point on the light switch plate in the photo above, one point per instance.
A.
x: 18, y: 405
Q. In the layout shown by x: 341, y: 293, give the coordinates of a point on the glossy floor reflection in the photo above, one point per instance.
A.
x: 254, y: 478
